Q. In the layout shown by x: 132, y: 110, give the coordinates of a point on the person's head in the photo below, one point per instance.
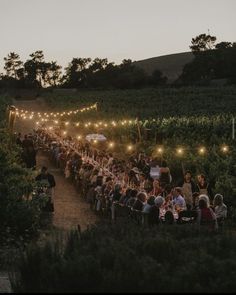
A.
x: 156, y: 183
x: 159, y: 200
x: 133, y: 193
x: 218, y: 200
x: 177, y: 191
x: 142, y: 177
x: 187, y: 176
x: 132, y: 174
x: 44, y: 170
x: 151, y: 200
x: 203, y: 201
x: 128, y: 192
x: 201, y: 178
x: 195, y: 198
x: 142, y: 197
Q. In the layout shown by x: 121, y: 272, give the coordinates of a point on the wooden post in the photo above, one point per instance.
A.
x: 11, y: 118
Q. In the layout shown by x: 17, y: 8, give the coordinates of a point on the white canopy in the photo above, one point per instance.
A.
x: 95, y: 136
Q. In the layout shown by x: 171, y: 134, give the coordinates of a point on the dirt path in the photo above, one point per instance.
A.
x: 70, y: 209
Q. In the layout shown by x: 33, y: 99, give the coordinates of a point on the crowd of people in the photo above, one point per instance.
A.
x: 141, y: 184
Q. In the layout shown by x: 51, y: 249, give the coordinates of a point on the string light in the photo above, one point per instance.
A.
x: 225, y: 148
x: 180, y: 151
x: 129, y: 147
x: 202, y: 150
x: 160, y: 150
x: 52, y: 114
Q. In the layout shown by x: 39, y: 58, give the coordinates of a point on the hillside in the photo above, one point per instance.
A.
x: 171, y: 65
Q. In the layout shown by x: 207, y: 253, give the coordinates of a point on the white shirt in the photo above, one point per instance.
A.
x: 221, y: 211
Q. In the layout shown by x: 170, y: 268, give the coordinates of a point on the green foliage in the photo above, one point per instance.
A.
x: 150, y: 102
x: 19, y: 214
x: 128, y: 258
x: 211, y: 64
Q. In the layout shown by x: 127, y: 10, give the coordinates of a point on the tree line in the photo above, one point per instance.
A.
x: 80, y: 73
x: 211, y: 61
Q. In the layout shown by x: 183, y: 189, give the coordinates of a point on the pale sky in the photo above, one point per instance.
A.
x: 116, y: 29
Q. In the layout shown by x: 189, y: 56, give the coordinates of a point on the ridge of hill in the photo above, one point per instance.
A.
x: 170, y: 65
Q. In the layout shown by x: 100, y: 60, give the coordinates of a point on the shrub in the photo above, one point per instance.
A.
x: 127, y: 258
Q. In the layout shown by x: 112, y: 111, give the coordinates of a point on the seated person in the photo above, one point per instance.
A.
x: 149, y: 204
x: 206, y: 216
x: 178, y: 199
x: 141, y: 200
x: 154, y: 213
x: 220, y: 208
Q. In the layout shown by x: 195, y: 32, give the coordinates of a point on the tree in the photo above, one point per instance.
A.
x: 223, y: 45
x: 98, y: 64
x: 51, y: 73
x: 55, y: 71
x: 202, y: 42
x: 12, y: 65
x: 34, y: 69
x: 76, y: 72
x: 37, y: 58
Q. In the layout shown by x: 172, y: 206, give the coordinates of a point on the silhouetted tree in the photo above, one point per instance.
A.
x: 223, y: 45
x: 76, y: 72
x: 12, y: 65
x: 202, y: 42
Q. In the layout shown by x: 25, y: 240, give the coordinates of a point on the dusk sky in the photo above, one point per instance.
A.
x: 116, y: 29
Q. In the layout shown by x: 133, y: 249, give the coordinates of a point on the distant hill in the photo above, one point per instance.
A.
x: 170, y: 65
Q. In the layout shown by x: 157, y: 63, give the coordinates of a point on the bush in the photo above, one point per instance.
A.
x: 128, y: 258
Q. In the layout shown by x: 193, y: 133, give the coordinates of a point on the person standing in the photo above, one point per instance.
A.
x: 19, y: 140
x: 188, y: 188
x: 165, y: 177
x: 203, y: 187
x: 46, y: 178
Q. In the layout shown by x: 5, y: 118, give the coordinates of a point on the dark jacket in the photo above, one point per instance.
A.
x: 49, y: 177
x: 138, y: 205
